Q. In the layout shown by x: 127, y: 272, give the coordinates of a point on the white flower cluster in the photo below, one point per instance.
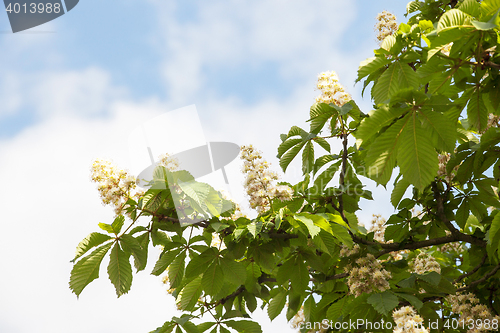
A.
x: 346, y: 252
x: 424, y: 263
x: 332, y: 92
x: 408, y: 321
x: 298, y: 321
x: 367, y: 276
x: 493, y: 121
x: 469, y: 309
x: 167, y: 282
x: 386, y: 25
x: 378, y: 227
x: 443, y: 161
x: 259, y: 182
x: 217, y: 242
x: 456, y: 247
x: 114, y: 185
x: 169, y: 162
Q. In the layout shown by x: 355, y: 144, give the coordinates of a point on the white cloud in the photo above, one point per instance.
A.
x: 301, y: 38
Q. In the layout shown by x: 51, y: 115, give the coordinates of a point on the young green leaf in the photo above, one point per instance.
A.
x: 120, y: 270
x: 383, y: 302
x: 92, y: 240
x: 213, y: 279
x: 164, y: 261
x: 277, y: 304
x: 190, y: 294
x: 140, y: 254
x: 243, y: 326
x: 87, y: 269
x: 234, y: 271
x: 417, y: 158
x: 176, y: 270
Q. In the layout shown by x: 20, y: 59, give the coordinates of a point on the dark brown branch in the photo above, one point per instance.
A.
x: 227, y: 298
x: 337, y: 276
x: 463, y: 276
x: 342, y: 178
x: 282, y: 236
x: 491, y: 64
x: 484, y: 278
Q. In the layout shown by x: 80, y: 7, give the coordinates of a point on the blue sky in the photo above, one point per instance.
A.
x: 72, y: 90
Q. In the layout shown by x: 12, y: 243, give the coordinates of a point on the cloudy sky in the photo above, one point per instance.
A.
x: 73, y: 90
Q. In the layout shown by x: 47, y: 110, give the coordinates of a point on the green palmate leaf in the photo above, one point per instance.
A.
x: 447, y: 36
x: 390, y: 44
x: 440, y: 128
x: 320, y: 113
x: 195, y: 190
x: 284, y: 272
x: 453, y: 18
x: 311, y: 227
x: 484, y: 25
x: 387, y: 85
x: 87, y: 269
x: 398, y: 76
x: 129, y: 243
x: 336, y: 310
x: 205, y: 326
x: 160, y: 238
x: 489, y: 8
x: 176, y: 270
x: 371, y: 65
x: 323, y: 160
x: 384, y: 302
x: 106, y: 227
x: 324, y: 178
x: 199, y: 263
x: 471, y: 7
x: 408, y: 78
x: 494, y: 234
x: 277, y: 304
x: 120, y: 270
x: 477, y: 114
x: 251, y: 302
x: 166, y: 328
x: 322, y: 143
x: 412, y: 6
x: 165, y: 260
x: 254, y: 228
x: 381, y: 156
x: 398, y: 192
x: 325, y: 242
x: 286, y: 145
x: 92, y: 240
x: 299, y: 277
x: 431, y: 277
x: 287, y: 158
x: 190, y: 294
x: 342, y: 235
x: 234, y: 271
x: 308, y: 158
x: 414, y: 301
x: 213, y: 279
x: 243, y: 326
x: 295, y: 130
x: 118, y: 224
x: 417, y: 157
x: 375, y: 122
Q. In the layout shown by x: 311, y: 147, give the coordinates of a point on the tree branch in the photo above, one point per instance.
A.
x: 484, y: 278
x: 463, y: 276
